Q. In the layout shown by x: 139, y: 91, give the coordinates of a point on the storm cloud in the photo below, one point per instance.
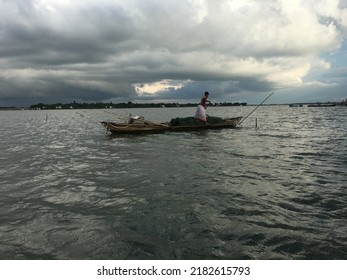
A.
x: 120, y: 50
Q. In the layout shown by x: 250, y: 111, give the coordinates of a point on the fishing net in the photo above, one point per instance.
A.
x: 193, y: 121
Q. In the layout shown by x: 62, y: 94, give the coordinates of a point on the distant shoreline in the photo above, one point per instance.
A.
x: 130, y: 105
x: 101, y: 105
x: 12, y: 108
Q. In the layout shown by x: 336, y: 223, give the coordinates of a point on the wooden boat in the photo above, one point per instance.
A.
x: 137, y: 126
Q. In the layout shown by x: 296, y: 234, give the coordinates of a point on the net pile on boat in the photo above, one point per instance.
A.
x: 193, y: 121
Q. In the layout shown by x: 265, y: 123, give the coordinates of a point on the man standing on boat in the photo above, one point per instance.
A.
x: 200, y: 113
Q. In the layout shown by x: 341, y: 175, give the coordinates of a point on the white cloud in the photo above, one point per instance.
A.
x: 318, y: 84
x: 160, y: 86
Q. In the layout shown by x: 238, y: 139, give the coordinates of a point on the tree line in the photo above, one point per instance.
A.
x: 110, y: 105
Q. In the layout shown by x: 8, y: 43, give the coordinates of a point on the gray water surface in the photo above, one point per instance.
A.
x: 68, y: 190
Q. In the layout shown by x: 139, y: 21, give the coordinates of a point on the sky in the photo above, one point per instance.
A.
x: 172, y: 51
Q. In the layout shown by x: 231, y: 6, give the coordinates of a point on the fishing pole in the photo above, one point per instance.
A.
x: 118, y: 115
x: 256, y: 108
x: 86, y: 117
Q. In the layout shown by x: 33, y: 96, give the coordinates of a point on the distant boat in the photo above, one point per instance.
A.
x: 140, y: 125
x: 322, y: 105
x: 295, y: 105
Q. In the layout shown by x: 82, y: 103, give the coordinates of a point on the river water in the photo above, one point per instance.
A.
x: 69, y: 190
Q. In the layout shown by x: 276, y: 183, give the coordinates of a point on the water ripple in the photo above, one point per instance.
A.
x: 70, y: 191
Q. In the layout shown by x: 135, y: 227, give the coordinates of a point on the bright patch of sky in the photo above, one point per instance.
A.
x: 160, y: 86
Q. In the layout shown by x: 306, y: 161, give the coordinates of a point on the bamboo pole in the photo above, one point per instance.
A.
x: 256, y: 108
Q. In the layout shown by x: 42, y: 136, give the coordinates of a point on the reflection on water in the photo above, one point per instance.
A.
x: 71, y: 191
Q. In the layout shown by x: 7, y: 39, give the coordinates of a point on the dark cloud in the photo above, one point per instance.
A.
x: 99, y: 50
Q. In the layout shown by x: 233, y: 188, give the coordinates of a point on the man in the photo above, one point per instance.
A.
x: 200, y: 113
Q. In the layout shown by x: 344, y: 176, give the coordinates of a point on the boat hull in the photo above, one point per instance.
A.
x: 123, y: 128
x: 150, y: 127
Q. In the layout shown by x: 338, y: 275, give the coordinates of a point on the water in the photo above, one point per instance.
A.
x: 68, y: 190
